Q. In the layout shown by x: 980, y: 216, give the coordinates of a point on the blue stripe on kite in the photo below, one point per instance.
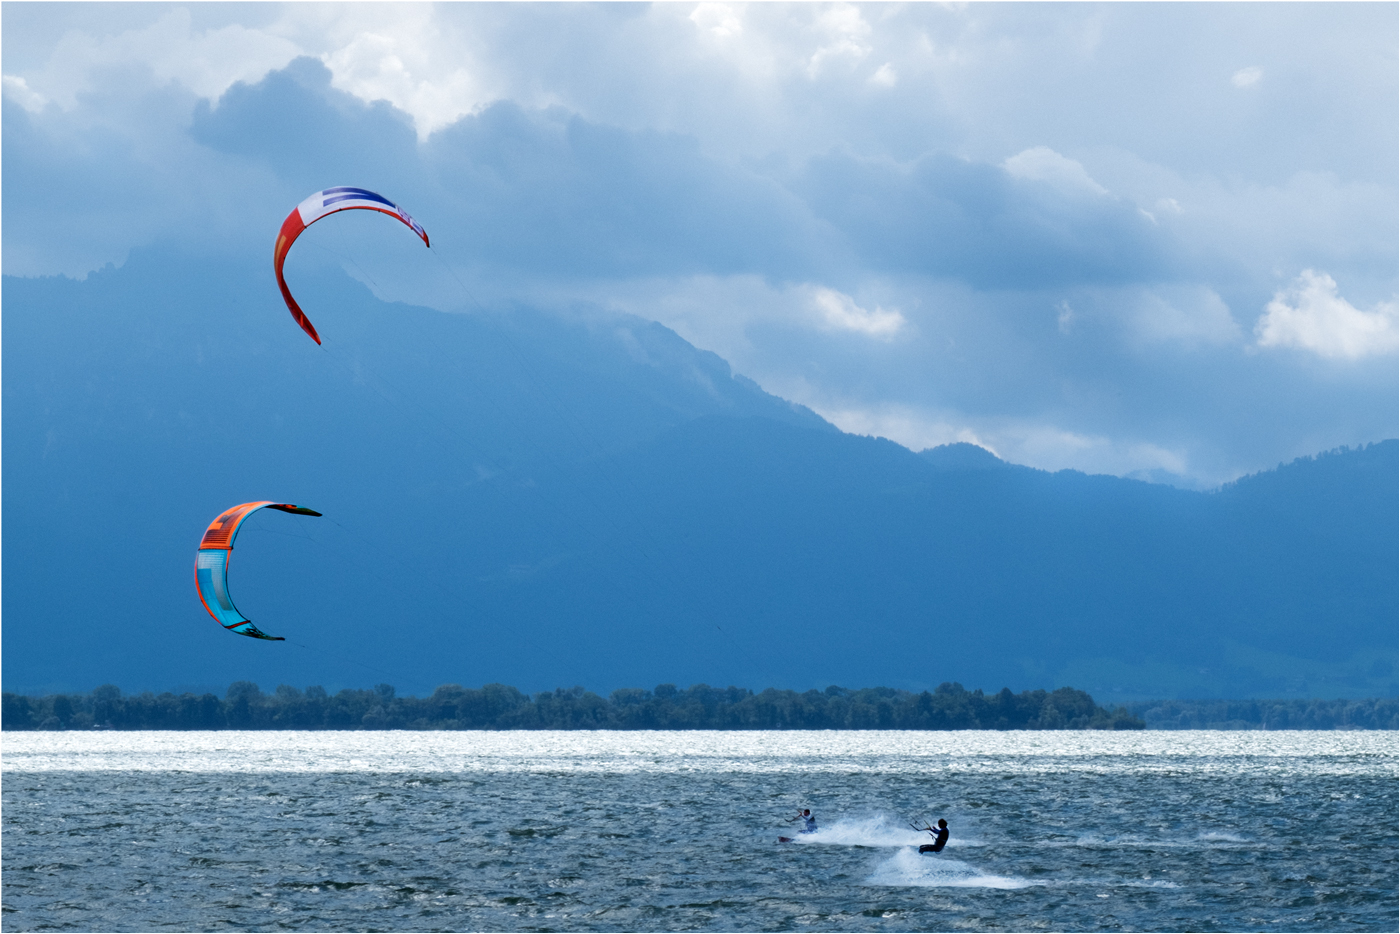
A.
x: 360, y: 196
x: 327, y: 202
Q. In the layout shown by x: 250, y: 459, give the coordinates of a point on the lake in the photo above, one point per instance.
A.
x: 653, y: 831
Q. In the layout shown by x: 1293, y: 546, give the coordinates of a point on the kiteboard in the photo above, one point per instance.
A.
x: 786, y: 840
x: 929, y: 848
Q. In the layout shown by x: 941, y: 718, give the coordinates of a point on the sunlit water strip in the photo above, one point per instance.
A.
x: 1201, y: 752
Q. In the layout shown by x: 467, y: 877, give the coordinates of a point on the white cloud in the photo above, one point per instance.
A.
x: 885, y: 76
x: 401, y: 53
x: 1247, y: 77
x: 1049, y: 447
x: 18, y: 90
x: 1038, y: 444
x: 845, y: 35
x: 909, y: 426
x: 743, y: 318
x: 718, y: 19
x: 375, y: 66
x: 1043, y: 164
x: 207, y: 62
x: 838, y: 311
x: 1310, y: 315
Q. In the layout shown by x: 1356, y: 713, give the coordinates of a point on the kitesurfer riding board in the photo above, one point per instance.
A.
x: 809, y: 824
x: 940, y: 838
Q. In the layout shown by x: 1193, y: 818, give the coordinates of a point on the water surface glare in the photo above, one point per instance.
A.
x: 410, y: 831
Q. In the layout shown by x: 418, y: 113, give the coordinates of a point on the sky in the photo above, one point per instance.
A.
x: 1152, y: 240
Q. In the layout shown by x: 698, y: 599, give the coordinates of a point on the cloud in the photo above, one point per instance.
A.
x: 844, y: 34
x: 940, y: 215
x: 821, y: 194
x: 1186, y: 315
x: 1247, y: 77
x: 718, y: 19
x: 372, y: 67
x: 1052, y: 448
x: 18, y: 90
x: 544, y: 192
x: 171, y: 48
x: 1310, y: 315
x: 1043, y: 164
x: 912, y: 427
x: 840, y: 312
x: 745, y: 319
x: 1033, y: 443
x: 885, y: 76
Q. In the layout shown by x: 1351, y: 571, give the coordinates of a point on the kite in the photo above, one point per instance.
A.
x: 313, y: 209
x: 211, y: 566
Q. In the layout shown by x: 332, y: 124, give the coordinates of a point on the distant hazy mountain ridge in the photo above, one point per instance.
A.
x: 513, y: 496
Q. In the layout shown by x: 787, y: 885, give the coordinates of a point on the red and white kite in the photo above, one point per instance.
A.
x: 313, y: 209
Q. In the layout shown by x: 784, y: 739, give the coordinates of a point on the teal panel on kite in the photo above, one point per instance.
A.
x: 211, y: 566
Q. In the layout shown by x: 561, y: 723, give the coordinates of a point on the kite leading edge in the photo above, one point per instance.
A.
x: 211, y: 566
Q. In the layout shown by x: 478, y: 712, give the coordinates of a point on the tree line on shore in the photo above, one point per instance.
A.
x: 500, y: 707
x: 1375, y: 713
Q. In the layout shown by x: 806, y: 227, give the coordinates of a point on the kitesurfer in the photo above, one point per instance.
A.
x: 940, y: 838
x: 809, y: 824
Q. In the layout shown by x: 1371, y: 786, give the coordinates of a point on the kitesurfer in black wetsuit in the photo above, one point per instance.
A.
x: 940, y: 838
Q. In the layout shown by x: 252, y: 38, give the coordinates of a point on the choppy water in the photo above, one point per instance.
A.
x: 677, y: 831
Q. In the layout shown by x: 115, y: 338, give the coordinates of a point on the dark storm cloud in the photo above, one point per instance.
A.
x: 943, y: 216
x: 541, y: 191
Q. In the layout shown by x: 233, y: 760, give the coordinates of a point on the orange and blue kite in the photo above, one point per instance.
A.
x: 211, y: 566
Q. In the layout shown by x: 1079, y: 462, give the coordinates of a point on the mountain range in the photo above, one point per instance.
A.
x: 550, y: 499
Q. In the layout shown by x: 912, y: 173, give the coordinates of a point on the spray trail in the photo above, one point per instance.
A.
x: 908, y: 867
